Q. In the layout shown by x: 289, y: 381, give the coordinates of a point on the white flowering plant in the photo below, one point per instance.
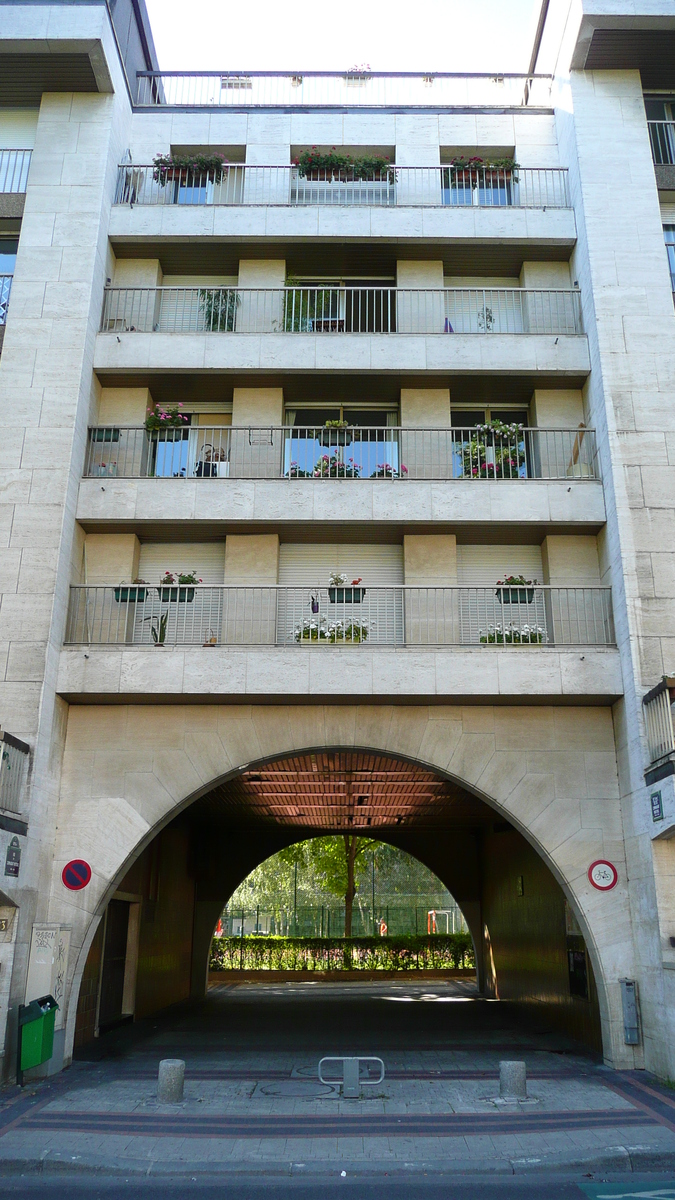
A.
x: 513, y: 635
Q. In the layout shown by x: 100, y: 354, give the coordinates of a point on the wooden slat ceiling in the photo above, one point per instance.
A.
x: 24, y: 77
x: 340, y: 790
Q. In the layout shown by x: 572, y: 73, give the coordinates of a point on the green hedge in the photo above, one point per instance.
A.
x: 256, y: 953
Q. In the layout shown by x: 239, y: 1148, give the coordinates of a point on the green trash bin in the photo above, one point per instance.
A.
x: 36, y: 1030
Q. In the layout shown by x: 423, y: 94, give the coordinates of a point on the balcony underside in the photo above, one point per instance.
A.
x: 529, y: 506
x: 560, y: 355
x: 250, y: 224
x: 346, y: 674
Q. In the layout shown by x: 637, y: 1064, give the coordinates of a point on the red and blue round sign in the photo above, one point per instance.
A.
x: 76, y: 874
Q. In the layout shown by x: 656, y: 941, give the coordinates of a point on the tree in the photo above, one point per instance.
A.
x: 335, y: 860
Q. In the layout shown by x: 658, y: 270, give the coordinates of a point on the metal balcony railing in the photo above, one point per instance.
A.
x: 356, y: 452
x: 487, y: 187
x: 5, y: 289
x: 662, y: 138
x: 14, y: 168
x: 334, y: 310
x: 148, y: 615
x: 658, y: 706
x: 328, y: 89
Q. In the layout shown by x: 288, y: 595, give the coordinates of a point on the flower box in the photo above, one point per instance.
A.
x: 515, y: 595
x: 131, y: 595
x: 176, y: 594
x: 346, y: 595
x: 336, y: 437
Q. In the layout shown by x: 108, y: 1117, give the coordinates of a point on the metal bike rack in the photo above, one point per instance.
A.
x: 351, y: 1080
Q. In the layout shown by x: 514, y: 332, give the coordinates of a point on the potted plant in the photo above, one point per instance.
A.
x: 219, y: 306
x: 336, y: 166
x: 170, y: 594
x: 339, y: 594
x: 515, y: 589
x: 311, y: 630
x: 477, y: 172
x: 331, y: 467
x: 188, y: 169
x: 494, y: 450
x: 336, y: 433
x: 387, y: 471
x: 212, y: 462
x: 161, y: 417
x: 513, y: 635
x: 158, y: 627
x: 132, y: 595
x: 347, y: 631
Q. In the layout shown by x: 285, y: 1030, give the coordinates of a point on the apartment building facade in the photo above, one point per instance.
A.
x: 337, y: 497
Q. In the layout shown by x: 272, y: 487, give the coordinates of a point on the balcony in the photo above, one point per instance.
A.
x: 428, y: 187
x: 14, y: 168
x: 379, y: 453
x: 662, y: 138
x: 337, y: 89
x: 341, y: 310
x: 350, y: 616
x: 423, y: 643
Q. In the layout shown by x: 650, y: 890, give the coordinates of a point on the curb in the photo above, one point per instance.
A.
x: 624, y: 1159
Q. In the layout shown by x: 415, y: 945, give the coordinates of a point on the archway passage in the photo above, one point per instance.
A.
x: 529, y: 948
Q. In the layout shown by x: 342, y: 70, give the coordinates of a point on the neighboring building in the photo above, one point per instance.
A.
x: 498, y: 341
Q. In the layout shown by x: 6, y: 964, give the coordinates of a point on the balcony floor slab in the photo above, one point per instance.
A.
x: 562, y: 355
x: 279, y: 675
x: 537, y: 503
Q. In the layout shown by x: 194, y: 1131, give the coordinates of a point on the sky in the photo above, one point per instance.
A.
x: 387, y: 35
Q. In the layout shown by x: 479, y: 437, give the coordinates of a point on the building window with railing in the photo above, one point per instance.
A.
x: 8, y: 250
x: 660, y: 112
x: 669, y: 235
x: 13, y: 772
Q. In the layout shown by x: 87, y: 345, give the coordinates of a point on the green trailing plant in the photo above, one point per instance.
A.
x: 440, y: 952
x: 188, y: 169
x: 304, y: 305
x: 477, y: 164
x: 219, y: 308
x: 336, y: 165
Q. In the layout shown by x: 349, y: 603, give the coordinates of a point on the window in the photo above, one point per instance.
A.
x: 669, y: 235
x: 661, y: 119
x: 8, y: 251
x: 368, y: 448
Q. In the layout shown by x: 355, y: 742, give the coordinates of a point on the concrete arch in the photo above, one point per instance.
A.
x: 551, y: 772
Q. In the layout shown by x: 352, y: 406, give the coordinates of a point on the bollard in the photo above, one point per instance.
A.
x: 170, y: 1081
x: 512, y: 1081
x: 351, y: 1087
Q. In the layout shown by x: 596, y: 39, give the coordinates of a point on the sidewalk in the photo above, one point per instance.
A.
x: 250, y: 1110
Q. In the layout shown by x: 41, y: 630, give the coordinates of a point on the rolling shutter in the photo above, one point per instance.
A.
x: 307, y: 568
x: 197, y: 616
x: 481, y: 567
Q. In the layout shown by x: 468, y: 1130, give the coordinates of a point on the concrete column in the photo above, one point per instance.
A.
x: 257, y: 445
x: 571, y: 563
x: 251, y: 563
x: 123, y: 406
x: 430, y: 565
x: 137, y: 310
x: 268, y: 144
x: 261, y: 311
x: 418, y: 145
x: 426, y: 453
x: 541, y: 312
x: 420, y: 311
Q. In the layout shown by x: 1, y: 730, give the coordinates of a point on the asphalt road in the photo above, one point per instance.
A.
x: 543, y: 1186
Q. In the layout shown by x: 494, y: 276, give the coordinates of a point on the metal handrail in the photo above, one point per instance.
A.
x: 352, y: 88
x: 336, y: 310
x: 353, y: 453
x: 662, y: 139
x: 659, y: 719
x: 5, y: 289
x: 14, y: 168
x: 444, y: 186
x: 145, y: 614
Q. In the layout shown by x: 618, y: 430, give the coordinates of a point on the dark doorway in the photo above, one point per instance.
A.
x: 114, y: 964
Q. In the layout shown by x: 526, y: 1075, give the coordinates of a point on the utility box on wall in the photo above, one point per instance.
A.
x: 631, y: 1016
x: 661, y: 797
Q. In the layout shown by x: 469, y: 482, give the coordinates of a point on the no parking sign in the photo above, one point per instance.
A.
x: 76, y: 874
